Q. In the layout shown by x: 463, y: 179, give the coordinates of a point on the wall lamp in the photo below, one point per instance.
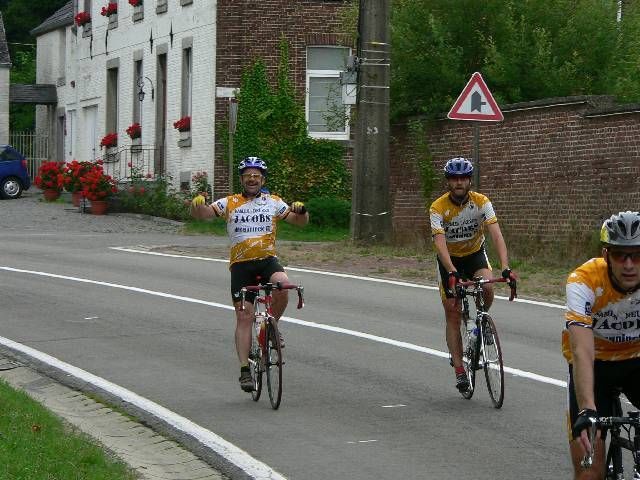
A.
x: 141, y: 92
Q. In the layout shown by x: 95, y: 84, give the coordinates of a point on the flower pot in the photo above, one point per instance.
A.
x: 76, y: 198
x: 99, y: 207
x: 50, y: 194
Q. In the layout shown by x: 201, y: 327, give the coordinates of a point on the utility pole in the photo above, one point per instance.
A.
x: 371, y: 205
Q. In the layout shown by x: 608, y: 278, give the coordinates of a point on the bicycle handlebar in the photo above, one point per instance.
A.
x: 633, y: 420
x: 268, y: 287
x: 478, y: 282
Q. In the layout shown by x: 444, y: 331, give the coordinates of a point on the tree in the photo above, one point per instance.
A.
x: 525, y: 49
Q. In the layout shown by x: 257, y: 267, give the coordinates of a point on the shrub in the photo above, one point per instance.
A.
x: 329, y: 212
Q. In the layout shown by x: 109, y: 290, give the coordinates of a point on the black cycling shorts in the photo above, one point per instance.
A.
x: 252, y: 272
x: 466, y: 267
x: 609, y: 378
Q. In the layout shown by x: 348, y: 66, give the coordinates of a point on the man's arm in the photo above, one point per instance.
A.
x: 300, y: 219
x: 583, y: 352
x: 498, y: 243
x: 440, y: 242
x: 200, y: 210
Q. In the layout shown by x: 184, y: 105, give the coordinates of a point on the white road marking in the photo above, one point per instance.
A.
x: 398, y: 405
x: 332, y: 274
x: 363, y: 441
x: 253, y: 467
x: 296, y: 321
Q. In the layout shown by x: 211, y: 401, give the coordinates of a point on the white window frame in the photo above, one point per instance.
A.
x: 342, y: 135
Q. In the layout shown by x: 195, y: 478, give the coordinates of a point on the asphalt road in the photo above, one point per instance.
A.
x: 354, y: 406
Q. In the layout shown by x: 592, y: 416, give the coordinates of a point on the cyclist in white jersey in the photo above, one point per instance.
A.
x: 251, y: 218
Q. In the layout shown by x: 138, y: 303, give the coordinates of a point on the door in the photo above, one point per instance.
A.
x: 91, y: 147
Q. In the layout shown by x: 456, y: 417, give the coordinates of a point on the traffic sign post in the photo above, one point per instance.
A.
x: 476, y: 103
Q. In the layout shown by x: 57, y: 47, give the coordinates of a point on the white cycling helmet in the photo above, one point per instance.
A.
x: 622, y: 229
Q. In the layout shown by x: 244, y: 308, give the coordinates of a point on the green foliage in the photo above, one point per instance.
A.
x: 329, y: 212
x: 156, y: 197
x: 428, y: 174
x: 525, y: 49
x: 37, y: 445
x: 271, y: 124
x: 23, y: 70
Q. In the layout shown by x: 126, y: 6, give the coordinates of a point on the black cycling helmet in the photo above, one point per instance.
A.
x: 458, y: 167
x: 252, y: 162
x: 622, y: 229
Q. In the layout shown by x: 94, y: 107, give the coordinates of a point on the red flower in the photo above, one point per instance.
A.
x: 134, y: 131
x: 82, y: 18
x: 109, y: 140
x: 50, y: 176
x: 135, y: 3
x: 110, y: 9
x: 71, y: 174
x: 183, y: 125
x: 96, y: 185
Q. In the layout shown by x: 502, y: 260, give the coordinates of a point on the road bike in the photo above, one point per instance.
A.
x: 480, y: 342
x: 625, y: 435
x: 265, y: 355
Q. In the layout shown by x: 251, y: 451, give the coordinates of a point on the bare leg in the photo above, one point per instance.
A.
x: 454, y: 339
x: 488, y: 288
x: 596, y: 471
x: 244, y: 319
x: 280, y: 297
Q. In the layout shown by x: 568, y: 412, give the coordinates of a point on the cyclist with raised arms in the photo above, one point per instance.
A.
x: 601, y: 339
x: 251, y: 224
x: 458, y: 221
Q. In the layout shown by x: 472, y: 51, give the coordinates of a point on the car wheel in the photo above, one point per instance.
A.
x: 11, y: 187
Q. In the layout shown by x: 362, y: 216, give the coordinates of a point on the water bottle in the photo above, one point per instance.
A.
x: 260, y: 331
x: 473, y: 337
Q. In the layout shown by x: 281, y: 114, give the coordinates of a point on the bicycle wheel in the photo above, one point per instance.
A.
x: 492, y: 356
x: 255, y: 364
x: 273, y: 364
x: 470, y: 351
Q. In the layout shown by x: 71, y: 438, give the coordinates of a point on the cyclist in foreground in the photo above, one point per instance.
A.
x: 251, y: 224
x: 601, y: 339
x: 458, y: 221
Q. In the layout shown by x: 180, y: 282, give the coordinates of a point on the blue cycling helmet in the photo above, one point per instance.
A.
x: 253, y: 162
x: 458, y: 167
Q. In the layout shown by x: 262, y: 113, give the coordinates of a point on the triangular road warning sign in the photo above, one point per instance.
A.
x: 476, y: 103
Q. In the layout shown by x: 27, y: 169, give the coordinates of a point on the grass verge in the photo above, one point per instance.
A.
x: 35, y: 444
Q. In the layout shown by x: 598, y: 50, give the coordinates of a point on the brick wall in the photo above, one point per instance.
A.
x: 247, y: 30
x: 554, y: 169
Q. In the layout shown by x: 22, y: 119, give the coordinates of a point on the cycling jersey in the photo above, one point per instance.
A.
x: 462, y: 225
x: 251, y: 224
x: 614, y: 317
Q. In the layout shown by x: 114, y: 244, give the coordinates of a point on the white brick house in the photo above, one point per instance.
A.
x: 170, y: 45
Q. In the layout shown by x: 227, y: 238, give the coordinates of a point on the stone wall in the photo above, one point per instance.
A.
x: 554, y: 169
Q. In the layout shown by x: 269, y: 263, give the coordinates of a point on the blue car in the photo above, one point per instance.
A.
x: 14, y: 176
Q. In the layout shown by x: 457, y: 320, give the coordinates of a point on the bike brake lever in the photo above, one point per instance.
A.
x: 587, y: 460
x: 243, y: 292
x: 300, y: 297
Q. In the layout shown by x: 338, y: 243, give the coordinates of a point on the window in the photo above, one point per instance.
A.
x: 137, y: 77
x: 327, y: 116
x: 111, y: 124
x: 187, y: 82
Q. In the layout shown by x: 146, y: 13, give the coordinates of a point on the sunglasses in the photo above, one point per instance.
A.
x: 620, y: 256
x: 251, y: 176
